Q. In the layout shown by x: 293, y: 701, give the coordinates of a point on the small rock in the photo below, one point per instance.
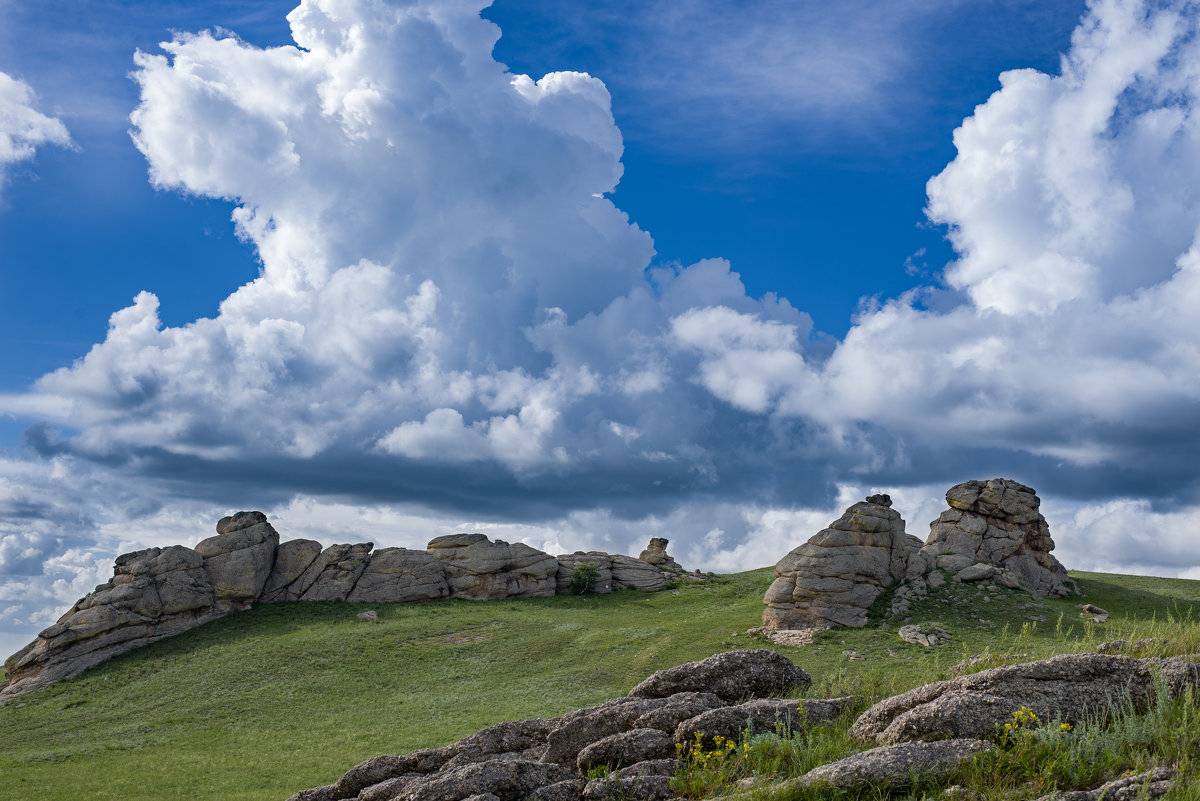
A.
x: 370, y: 614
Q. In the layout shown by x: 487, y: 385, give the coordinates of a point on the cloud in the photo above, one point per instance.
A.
x: 23, y: 129
x: 453, y: 322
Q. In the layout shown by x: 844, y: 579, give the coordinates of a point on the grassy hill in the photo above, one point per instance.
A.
x: 262, y: 703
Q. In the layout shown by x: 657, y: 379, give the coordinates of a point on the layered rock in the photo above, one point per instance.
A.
x: 480, y: 570
x: 153, y: 594
x: 835, y: 577
x: 160, y: 592
x: 656, y: 554
x: 997, y: 523
x: 567, y: 563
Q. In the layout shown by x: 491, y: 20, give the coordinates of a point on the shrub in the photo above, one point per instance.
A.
x: 584, y: 578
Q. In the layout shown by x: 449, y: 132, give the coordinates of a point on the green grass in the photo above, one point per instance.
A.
x: 262, y: 703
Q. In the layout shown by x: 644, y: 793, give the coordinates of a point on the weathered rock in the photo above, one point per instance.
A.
x: 154, y: 593
x: 394, y: 575
x: 634, y: 574
x: 678, y: 708
x: 569, y: 790
x: 479, y: 569
x: 765, y: 715
x: 577, y: 730
x: 292, y: 558
x: 926, y: 634
x: 650, y: 767
x: 315, y: 794
x: 1145, y: 786
x: 639, y: 788
x: 836, y: 576
x: 515, y: 739
x: 896, y: 765
x: 507, y: 779
x: 626, y: 748
x: 334, y: 573
x: 998, y: 523
x: 731, y: 676
x: 566, y: 571
x: 656, y: 554
x: 1094, y: 612
x: 239, y: 559
x: 976, y: 572
x: 1068, y: 688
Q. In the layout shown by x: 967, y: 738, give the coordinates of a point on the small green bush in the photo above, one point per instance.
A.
x: 584, y: 578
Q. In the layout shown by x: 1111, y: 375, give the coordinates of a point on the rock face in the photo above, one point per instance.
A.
x: 566, y: 571
x: 153, y: 594
x: 895, y: 765
x: 656, y: 554
x: 161, y: 592
x: 548, y: 760
x: 835, y: 577
x: 481, y: 570
x: 997, y: 523
x: 1066, y: 688
x: 731, y: 676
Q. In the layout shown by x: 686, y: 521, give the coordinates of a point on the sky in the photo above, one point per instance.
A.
x: 580, y: 275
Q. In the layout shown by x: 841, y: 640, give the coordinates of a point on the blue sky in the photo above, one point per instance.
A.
x: 723, y: 270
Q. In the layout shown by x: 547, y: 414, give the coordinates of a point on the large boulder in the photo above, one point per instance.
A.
x: 577, y: 730
x: 153, y: 594
x: 634, y: 574
x: 292, y: 558
x: 761, y: 716
x: 334, y: 573
x: 239, y: 559
x: 896, y: 765
x: 731, y: 676
x: 656, y: 554
x: 626, y: 748
x: 481, y: 570
x: 566, y: 571
x: 1067, y: 688
x: 997, y: 522
x: 835, y: 577
x: 399, y: 574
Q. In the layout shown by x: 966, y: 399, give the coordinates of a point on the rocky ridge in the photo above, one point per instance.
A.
x: 641, y: 740
x: 160, y: 592
x: 992, y: 532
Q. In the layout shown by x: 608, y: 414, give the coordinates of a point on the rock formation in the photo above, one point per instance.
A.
x: 161, y: 592
x: 637, y: 737
x: 835, y: 577
x: 993, y: 532
x: 656, y: 554
x: 997, y: 524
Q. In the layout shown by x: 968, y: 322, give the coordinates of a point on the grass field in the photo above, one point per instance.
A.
x: 262, y: 703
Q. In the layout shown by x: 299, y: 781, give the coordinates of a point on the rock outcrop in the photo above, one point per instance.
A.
x: 656, y: 554
x: 896, y: 765
x: 1065, y: 688
x: 993, y: 533
x: 637, y: 737
x: 997, y: 523
x: 835, y: 577
x: 161, y: 592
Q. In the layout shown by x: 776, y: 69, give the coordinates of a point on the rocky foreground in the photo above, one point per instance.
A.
x: 927, y: 732
x: 161, y: 592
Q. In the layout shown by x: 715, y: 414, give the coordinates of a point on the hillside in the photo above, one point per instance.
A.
x: 262, y: 703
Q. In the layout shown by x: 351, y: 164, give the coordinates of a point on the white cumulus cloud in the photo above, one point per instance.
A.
x: 23, y: 129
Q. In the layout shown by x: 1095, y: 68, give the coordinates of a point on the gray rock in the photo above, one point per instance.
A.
x: 315, y: 794
x: 634, y: 574
x: 566, y: 571
x: 515, y: 739
x: 976, y: 572
x: 626, y: 748
x: 334, y: 573
x: 1145, y: 786
x: 569, y: 790
x: 997, y: 523
x: 926, y: 634
x: 576, y: 730
x: 650, y: 767
x: 394, y: 575
x: 239, y: 559
x: 480, y: 570
x: 641, y: 788
x: 836, y: 576
x: 292, y: 558
x: 508, y: 780
x: 384, y: 769
x: 1067, y: 688
x: 731, y: 676
x: 656, y: 554
x: 765, y: 715
x: 154, y: 593
x: 678, y: 708
x: 896, y: 765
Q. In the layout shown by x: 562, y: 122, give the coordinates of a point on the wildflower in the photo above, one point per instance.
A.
x: 1065, y: 727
